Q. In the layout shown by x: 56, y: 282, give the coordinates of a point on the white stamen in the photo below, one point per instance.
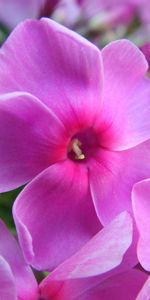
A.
x: 75, y: 146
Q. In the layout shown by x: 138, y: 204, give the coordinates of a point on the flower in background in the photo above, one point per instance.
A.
x: 88, y: 274
x: 97, y: 14
x: 75, y: 122
x: 14, y: 11
x: 143, y: 7
x: 68, y: 13
x: 107, y: 13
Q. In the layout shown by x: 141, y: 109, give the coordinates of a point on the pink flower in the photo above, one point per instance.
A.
x: 100, y: 270
x: 141, y: 208
x: 14, y: 11
x: 75, y: 122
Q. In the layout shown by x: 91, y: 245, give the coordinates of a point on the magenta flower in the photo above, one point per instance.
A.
x: 79, y: 119
x: 14, y: 11
x: 141, y: 208
x: 102, y: 268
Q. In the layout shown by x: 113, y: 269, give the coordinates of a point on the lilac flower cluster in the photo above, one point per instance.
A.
x: 75, y: 133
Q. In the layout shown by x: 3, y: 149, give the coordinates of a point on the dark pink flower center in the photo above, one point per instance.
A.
x: 83, y: 145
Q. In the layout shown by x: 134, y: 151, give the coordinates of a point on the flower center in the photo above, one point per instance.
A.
x: 74, y: 147
x: 83, y: 145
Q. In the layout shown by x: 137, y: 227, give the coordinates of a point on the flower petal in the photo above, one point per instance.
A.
x: 126, y: 106
x: 112, y: 175
x: 141, y: 208
x: 103, y: 253
x: 23, y: 277
x: 56, y: 65
x: 31, y: 138
x: 145, y: 291
x: 55, y: 209
x: 124, y: 286
x: 7, y: 282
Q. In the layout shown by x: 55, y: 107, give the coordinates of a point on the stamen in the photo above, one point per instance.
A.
x: 75, y: 147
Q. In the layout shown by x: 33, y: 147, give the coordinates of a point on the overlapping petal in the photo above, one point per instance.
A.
x: 103, y: 253
x: 124, y: 286
x: 14, y: 269
x: 55, y: 209
x: 141, y: 208
x: 31, y: 138
x: 7, y: 281
x: 111, y: 177
x: 145, y: 291
x: 125, y: 119
x: 56, y: 65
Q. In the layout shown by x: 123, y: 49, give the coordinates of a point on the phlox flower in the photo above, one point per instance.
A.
x: 74, y: 122
x: 14, y: 11
x: 100, y: 270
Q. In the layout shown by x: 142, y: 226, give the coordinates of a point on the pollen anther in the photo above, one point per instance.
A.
x: 75, y: 147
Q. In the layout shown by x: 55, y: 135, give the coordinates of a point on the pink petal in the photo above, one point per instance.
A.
x: 145, y: 291
x: 124, y: 286
x: 7, y: 281
x: 31, y: 138
x: 112, y: 175
x: 23, y: 277
x: 58, y: 66
x: 103, y: 253
x: 125, y: 118
x: 141, y: 208
x: 55, y: 209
